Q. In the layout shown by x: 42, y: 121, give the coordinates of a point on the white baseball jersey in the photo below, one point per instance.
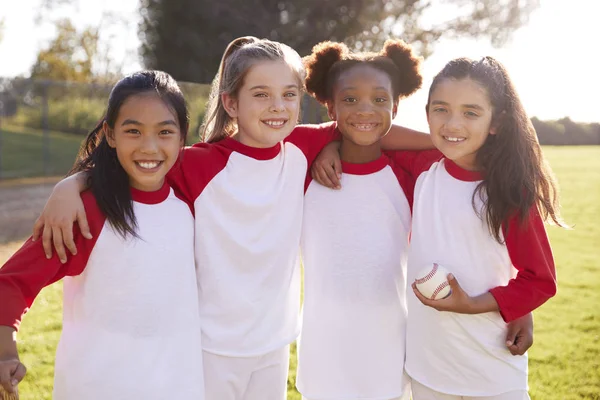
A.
x: 462, y: 354
x: 131, y: 327
x: 248, y: 207
x: 354, y: 243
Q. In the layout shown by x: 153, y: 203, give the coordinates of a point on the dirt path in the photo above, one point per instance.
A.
x: 20, y: 205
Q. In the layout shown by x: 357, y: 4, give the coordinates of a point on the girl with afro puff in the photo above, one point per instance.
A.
x: 354, y: 240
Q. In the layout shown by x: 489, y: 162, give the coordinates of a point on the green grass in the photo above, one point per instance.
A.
x: 22, y: 152
x: 565, y: 359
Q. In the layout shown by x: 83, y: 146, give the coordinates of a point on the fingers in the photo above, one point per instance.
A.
x: 337, y: 166
x: 57, y: 239
x: 453, y: 282
x: 319, y: 174
x: 511, y: 339
x: 422, y: 298
x: 38, y: 228
x: 84, y: 227
x: 6, y: 375
x: 68, y: 241
x: 47, y: 241
x: 18, y: 375
x: 333, y: 176
x: 5, y: 379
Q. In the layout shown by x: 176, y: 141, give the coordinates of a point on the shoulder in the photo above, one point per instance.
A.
x: 308, y: 131
x: 415, y: 162
x: 95, y: 216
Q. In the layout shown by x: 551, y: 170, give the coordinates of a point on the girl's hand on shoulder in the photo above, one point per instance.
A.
x: 12, y: 371
x: 519, y: 335
x: 55, y: 223
x: 327, y: 167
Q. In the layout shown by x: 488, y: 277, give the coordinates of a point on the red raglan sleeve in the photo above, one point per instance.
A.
x: 28, y: 271
x: 530, y: 253
x: 311, y: 139
x: 194, y: 169
x: 415, y: 162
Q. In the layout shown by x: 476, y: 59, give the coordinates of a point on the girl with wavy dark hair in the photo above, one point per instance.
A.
x: 479, y: 212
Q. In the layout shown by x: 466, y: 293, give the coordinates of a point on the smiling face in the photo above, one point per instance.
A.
x: 459, y: 114
x: 267, y: 105
x: 147, y: 139
x: 363, y: 104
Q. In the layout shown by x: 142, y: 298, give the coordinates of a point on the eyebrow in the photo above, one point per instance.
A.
x: 355, y: 88
x: 443, y: 103
x: 138, y: 123
x: 267, y: 87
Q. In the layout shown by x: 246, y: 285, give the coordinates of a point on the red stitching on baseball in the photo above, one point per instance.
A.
x: 428, y: 276
x: 438, y: 289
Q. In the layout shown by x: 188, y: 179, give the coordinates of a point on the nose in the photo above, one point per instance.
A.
x: 365, y: 109
x: 454, y: 124
x: 149, y: 144
x: 277, y: 105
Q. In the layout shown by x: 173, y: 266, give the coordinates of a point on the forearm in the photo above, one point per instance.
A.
x: 79, y: 180
x: 483, y: 303
x: 402, y: 138
x: 8, y: 342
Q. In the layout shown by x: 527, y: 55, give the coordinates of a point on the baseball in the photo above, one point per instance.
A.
x: 432, y: 282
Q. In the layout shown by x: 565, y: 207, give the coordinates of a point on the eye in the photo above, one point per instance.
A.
x: 349, y: 100
x: 290, y: 94
x: 262, y: 95
x: 381, y: 99
x: 133, y: 131
x: 471, y: 114
x: 439, y: 110
x: 166, y: 132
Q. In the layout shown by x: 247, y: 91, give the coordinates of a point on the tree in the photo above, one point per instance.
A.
x: 69, y: 56
x: 187, y: 37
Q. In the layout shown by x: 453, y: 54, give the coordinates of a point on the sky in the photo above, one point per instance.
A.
x: 551, y: 60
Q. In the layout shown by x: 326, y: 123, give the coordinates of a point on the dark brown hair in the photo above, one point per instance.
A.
x: 242, y: 54
x: 108, y: 180
x: 330, y: 59
x: 516, y: 175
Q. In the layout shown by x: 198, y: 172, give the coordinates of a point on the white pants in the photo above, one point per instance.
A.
x: 395, y: 398
x: 420, y: 392
x: 247, y: 378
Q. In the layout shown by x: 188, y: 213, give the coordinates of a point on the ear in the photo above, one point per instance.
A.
x: 395, y: 110
x: 110, y: 135
x: 331, y: 111
x: 230, y: 104
x: 496, y: 123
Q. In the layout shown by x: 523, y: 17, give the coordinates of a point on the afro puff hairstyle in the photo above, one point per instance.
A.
x: 330, y: 59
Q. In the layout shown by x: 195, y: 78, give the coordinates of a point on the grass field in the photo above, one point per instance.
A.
x: 22, y: 152
x: 565, y: 359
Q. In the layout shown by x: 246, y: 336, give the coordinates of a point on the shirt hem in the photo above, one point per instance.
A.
x: 254, y: 353
x: 505, y: 389
x: 385, y: 397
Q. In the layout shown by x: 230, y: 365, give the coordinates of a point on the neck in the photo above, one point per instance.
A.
x: 356, y: 154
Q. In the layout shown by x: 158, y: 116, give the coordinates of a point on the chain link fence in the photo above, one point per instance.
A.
x: 42, y: 122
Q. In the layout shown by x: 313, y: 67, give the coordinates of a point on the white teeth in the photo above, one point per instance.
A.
x: 275, y: 124
x: 454, y: 139
x: 148, y: 164
x: 364, y: 127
